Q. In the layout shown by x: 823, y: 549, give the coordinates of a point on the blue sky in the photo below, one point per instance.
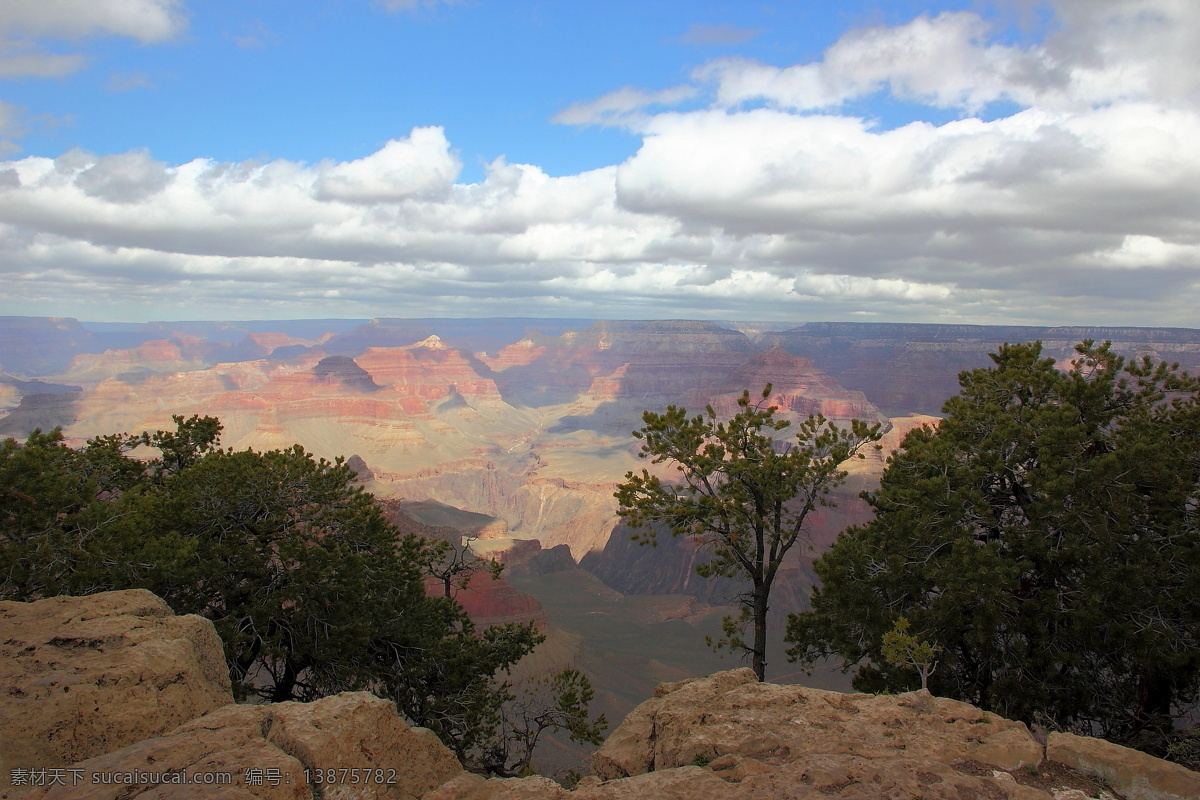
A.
x: 307, y: 81
x: 1009, y: 161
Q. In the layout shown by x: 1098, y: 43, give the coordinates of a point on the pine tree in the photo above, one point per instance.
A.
x: 742, y: 492
x: 1045, y: 536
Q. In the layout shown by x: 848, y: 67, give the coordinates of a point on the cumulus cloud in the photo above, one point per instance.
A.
x: 1075, y: 202
x: 126, y: 178
x: 944, y: 61
x: 1106, y: 51
x: 419, y: 166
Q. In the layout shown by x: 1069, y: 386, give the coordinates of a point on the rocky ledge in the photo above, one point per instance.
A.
x: 723, y: 736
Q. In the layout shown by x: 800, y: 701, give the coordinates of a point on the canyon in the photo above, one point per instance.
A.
x: 513, y: 434
x: 528, y: 421
x: 526, y: 426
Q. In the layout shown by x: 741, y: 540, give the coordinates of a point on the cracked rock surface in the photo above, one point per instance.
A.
x: 86, y: 676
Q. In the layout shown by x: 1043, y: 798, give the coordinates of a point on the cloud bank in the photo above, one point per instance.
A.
x: 1065, y: 187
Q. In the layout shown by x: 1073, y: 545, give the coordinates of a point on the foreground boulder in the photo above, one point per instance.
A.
x: 351, y: 745
x: 727, y: 736
x: 731, y: 713
x: 1133, y: 773
x: 84, y: 676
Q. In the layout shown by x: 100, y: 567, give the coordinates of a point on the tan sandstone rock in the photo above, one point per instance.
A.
x: 1134, y: 774
x: 354, y: 742
x: 468, y: 786
x: 85, y: 676
x: 816, y: 777
x: 731, y: 713
x: 685, y: 783
x: 854, y: 777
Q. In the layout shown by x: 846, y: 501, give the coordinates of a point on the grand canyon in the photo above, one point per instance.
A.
x: 515, y: 432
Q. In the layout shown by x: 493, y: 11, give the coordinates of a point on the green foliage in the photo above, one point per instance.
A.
x: 1184, y: 748
x: 454, y: 565
x: 1045, y: 536
x: 184, y: 446
x: 739, y: 495
x: 310, y: 588
x: 556, y: 702
x: 903, y: 649
x: 437, y: 685
x: 296, y: 567
x: 69, y: 518
x: 44, y: 485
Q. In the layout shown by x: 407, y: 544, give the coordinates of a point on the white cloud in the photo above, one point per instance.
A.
x: 148, y: 21
x: 1128, y: 50
x: 22, y: 23
x: 1106, y: 51
x: 126, y: 178
x: 1138, y: 251
x: 943, y: 61
x: 772, y: 201
x: 420, y: 166
x: 625, y: 106
x: 19, y: 59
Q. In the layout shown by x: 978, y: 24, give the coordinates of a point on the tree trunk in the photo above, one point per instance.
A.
x: 1157, y: 697
x: 759, y: 615
x: 286, y: 685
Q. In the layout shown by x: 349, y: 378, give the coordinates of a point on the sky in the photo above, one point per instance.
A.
x: 969, y: 161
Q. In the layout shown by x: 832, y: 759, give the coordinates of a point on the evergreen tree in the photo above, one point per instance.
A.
x: 1044, y: 537
x: 743, y: 493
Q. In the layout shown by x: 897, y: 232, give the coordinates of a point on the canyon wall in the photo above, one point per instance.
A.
x: 913, y: 368
x: 528, y: 421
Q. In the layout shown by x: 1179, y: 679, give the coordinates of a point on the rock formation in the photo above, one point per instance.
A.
x: 85, y: 676
x: 493, y: 601
x: 766, y: 740
x: 154, y: 356
x: 913, y: 368
x: 44, y: 411
x: 731, y: 714
x: 528, y: 421
x: 1137, y: 775
x: 343, y: 371
x: 536, y: 435
x: 798, y: 389
x: 351, y: 745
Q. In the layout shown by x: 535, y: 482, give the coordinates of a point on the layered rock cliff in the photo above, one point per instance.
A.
x: 528, y: 421
x: 913, y: 368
